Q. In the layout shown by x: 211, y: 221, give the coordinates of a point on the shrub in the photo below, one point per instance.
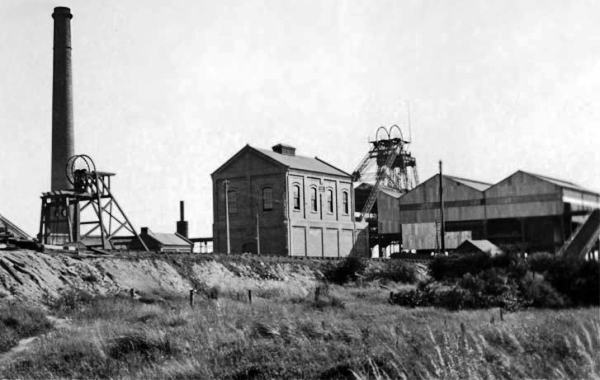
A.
x: 540, y: 262
x: 397, y: 271
x: 539, y: 293
x: 347, y: 270
x: 577, y: 279
x: 455, y: 266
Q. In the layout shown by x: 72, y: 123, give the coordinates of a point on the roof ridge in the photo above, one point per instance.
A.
x: 467, y: 179
x: 551, y: 178
x: 328, y: 164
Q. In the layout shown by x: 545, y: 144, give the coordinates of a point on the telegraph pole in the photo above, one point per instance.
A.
x: 227, y: 215
x: 443, y: 225
x: 257, y: 234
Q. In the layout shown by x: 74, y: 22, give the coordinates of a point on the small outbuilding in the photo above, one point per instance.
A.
x: 479, y: 246
x: 162, y: 242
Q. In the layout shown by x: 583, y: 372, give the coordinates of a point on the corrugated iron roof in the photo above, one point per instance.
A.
x: 303, y: 163
x: 14, y: 228
x: 485, y: 246
x: 561, y: 182
x: 168, y: 239
x: 477, y: 185
x: 391, y: 192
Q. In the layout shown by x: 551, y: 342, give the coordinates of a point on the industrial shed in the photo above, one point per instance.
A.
x: 464, y: 212
x: 528, y: 211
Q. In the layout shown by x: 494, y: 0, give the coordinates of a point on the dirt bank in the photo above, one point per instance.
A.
x: 36, y: 277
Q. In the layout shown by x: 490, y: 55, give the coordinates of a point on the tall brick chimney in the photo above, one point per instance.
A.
x: 62, y: 99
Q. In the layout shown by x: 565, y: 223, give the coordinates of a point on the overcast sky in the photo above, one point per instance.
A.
x: 165, y: 92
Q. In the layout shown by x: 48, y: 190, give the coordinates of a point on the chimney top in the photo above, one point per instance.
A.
x: 285, y: 149
x: 62, y: 11
x: 144, y: 231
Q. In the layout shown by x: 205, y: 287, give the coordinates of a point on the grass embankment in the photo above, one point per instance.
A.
x: 350, y: 332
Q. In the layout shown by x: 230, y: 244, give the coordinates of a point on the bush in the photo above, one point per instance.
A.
x: 397, y: 271
x: 347, y: 270
x: 455, y: 266
x: 540, y: 262
x: 576, y: 279
x: 540, y: 293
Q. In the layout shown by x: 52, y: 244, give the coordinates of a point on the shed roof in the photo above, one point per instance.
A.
x: 477, y: 185
x: 485, y: 246
x: 168, y: 239
x: 561, y: 183
x: 13, y: 228
x: 303, y: 163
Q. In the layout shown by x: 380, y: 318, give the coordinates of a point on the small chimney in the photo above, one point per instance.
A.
x: 144, y: 231
x: 182, y: 224
x: 62, y: 99
x: 284, y: 149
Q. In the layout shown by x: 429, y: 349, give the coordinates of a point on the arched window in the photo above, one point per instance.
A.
x: 330, y: 200
x: 232, y: 201
x: 345, y: 201
x: 267, y: 197
x: 313, y: 199
x: 296, y: 195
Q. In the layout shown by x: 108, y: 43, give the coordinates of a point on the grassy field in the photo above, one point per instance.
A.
x: 350, y: 332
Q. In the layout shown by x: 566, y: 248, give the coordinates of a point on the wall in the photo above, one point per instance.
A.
x: 523, y: 195
x: 320, y: 232
x: 388, y: 213
x: 425, y: 236
x: 461, y: 202
x: 249, y: 174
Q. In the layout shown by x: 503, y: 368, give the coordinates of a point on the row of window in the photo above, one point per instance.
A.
x: 314, y: 204
x: 267, y: 200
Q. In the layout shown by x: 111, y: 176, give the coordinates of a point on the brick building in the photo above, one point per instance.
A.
x: 298, y: 206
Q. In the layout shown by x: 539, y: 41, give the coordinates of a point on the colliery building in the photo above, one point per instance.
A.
x: 525, y: 210
x: 277, y: 202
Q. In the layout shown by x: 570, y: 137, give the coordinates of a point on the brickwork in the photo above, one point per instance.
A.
x: 298, y: 212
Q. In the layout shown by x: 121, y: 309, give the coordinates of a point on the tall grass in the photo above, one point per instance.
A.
x: 18, y: 322
x: 300, y: 338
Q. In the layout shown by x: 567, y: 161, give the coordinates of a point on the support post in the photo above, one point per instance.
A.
x: 227, y: 216
x: 442, y: 224
x: 249, y: 296
x: 192, y: 291
x: 257, y: 234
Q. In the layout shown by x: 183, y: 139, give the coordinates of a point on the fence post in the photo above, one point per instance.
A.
x: 132, y: 293
x: 249, y: 296
x: 192, y: 291
x: 501, y: 314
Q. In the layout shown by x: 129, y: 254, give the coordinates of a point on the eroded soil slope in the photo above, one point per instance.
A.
x: 37, y: 277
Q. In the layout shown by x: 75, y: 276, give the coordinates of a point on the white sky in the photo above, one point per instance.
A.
x: 165, y: 92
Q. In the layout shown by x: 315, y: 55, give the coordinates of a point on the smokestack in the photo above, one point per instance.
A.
x: 62, y: 98
x: 182, y: 224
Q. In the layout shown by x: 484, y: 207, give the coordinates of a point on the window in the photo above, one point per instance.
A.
x: 330, y: 200
x: 267, y: 197
x: 313, y: 198
x: 296, y: 195
x: 232, y: 201
x: 345, y: 201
